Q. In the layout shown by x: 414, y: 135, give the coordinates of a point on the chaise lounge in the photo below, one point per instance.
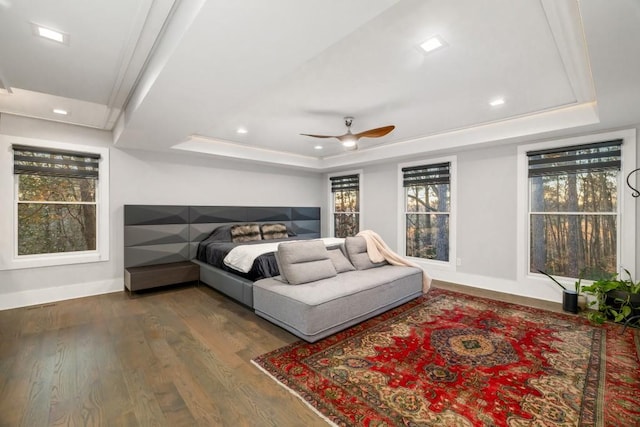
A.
x: 321, y: 291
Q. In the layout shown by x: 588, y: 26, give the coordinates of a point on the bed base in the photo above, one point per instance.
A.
x: 229, y: 284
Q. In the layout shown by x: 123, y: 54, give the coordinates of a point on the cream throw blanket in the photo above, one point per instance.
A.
x: 378, y: 251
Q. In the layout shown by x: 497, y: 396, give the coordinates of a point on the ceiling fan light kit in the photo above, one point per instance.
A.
x: 350, y: 140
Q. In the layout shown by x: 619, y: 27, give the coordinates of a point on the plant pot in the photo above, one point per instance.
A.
x: 582, y: 302
x: 634, y: 299
x: 570, y: 301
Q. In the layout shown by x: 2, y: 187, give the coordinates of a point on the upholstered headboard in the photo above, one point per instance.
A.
x: 158, y: 234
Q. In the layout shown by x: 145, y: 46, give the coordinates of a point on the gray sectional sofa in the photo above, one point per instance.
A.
x: 322, y: 291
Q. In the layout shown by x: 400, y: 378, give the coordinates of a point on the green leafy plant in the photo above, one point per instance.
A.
x: 616, y: 299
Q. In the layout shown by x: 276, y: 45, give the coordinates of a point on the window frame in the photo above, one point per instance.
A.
x: 9, y: 258
x: 332, y: 206
x: 626, y: 209
x: 402, y: 241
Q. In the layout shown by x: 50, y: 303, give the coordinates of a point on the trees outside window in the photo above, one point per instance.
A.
x: 573, y: 210
x: 345, y: 192
x: 56, y: 197
x: 427, y: 211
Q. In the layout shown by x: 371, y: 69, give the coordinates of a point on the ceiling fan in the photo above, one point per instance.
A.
x: 349, y: 140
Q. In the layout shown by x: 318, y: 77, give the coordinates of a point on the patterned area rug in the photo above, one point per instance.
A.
x: 449, y: 359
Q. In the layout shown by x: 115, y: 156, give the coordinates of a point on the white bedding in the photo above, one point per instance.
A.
x: 241, y: 257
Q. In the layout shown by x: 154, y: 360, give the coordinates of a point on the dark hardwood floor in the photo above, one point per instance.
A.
x: 173, y: 357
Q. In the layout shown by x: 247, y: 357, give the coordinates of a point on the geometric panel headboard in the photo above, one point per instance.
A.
x: 158, y: 234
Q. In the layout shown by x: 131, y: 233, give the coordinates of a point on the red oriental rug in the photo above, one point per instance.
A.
x: 448, y: 359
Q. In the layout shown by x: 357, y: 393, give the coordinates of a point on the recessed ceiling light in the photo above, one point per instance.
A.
x: 318, y: 147
x: 496, y: 102
x: 432, y: 43
x: 50, y: 34
x: 60, y: 111
x: 242, y: 130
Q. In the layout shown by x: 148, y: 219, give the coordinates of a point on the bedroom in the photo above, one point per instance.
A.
x: 487, y: 216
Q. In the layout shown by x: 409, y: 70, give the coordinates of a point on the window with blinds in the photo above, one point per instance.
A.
x: 345, y: 191
x: 573, y: 209
x: 427, y: 191
x: 56, y: 197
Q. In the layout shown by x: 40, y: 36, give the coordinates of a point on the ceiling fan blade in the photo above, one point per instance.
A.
x: 319, y: 136
x: 349, y: 140
x: 375, y: 133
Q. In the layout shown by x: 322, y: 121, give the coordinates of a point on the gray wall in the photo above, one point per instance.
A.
x: 487, y: 192
x: 486, y: 235
x: 487, y: 212
x: 380, y: 201
x: 486, y: 208
x: 139, y: 177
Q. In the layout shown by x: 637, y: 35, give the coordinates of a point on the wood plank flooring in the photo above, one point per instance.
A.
x: 173, y: 357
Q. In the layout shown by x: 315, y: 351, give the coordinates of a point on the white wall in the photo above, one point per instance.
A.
x: 139, y: 177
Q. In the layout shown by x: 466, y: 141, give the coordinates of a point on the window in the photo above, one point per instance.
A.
x: 56, y: 200
x: 427, y: 210
x: 573, y: 209
x: 345, y: 192
x: 58, y: 206
x: 23, y: 167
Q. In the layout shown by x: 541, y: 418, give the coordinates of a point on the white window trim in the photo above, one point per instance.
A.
x: 626, y: 206
x: 9, y: 260
x: 358, y: 172
x: 453, y: 170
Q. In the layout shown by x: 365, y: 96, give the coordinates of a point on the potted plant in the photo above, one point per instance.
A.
x: 617, y: 299
x: 571, y: 299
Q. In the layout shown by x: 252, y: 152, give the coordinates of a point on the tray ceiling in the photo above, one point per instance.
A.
x: 188, y: 75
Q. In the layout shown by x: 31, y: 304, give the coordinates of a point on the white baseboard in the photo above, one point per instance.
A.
x: 79, y: 290
x: 495, y: 284
x: 59, y: 293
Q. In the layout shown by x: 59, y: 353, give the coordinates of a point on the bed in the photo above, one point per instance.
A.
x: 158, y: 234
x: 252, y: 260
x: 234, y: 266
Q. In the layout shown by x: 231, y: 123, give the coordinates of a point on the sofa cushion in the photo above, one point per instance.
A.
x: 340, y: 262
x: 304, y: 261
x: 357, y: 250
x: 316, y: 309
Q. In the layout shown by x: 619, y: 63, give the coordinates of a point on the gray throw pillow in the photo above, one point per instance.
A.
x: 304, y: 261
x: 357, y: 250
x: 340, y: 262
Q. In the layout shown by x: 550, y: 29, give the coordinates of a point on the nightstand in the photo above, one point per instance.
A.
x: 154, y: 276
